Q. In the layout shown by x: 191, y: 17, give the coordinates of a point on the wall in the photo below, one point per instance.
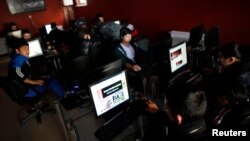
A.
x: 152, y: 17
x: 149, y: 17
x: 53, y: 12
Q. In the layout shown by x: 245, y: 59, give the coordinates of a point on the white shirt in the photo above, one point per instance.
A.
x: 129, y: 51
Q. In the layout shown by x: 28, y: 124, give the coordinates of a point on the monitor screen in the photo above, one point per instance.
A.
x: 117, y: 22
x: 35, y: 48
x: 48, y: 28
x: 178, y: 56
x: 17, y: 34
x: 109, y: 93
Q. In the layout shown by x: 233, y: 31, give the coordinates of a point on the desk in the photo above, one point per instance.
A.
x: 54, y: 58
x: 43, y: 60
x: 80, y: 123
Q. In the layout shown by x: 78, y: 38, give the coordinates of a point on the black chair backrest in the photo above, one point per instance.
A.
x: 13, y: 89
x: 80, y: 65
x: 104, y: 71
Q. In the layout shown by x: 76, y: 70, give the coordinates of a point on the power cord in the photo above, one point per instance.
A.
x: 32, y: 22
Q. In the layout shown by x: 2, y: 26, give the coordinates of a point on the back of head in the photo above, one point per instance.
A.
x: 187, y: 100
x: 25, y: 31
x: 53, y: 25
x: 80, y: 22
x: 230, y: 50
x: 124, y: 22
x: 12, y: 26
x: 99, y: 17
x: 233, y: 91
x: 19, y: 43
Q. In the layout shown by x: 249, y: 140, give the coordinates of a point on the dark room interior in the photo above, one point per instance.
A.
x: 177, y: 42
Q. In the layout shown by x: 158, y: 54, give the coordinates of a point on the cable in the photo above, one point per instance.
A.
x: 32, y: 22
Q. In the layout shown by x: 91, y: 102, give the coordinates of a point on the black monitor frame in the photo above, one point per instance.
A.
x: 212, y: 38
x: 116, y: 109
x: 195, y: 36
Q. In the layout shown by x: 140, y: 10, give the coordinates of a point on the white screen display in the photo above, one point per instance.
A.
x: 17, y: 34
x: 178, y: 56
x: 109, y: 93
x: 35, y: 48
x: 48, y: 28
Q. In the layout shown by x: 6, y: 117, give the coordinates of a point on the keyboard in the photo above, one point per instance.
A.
x: 184, y: 77
x: 118, y: 123
x: 113, y: 127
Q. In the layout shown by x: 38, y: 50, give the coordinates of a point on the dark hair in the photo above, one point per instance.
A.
x: 187, y: 100
x: 19, y: 43
x: 98, y: 15
x: 235, y: 92
x: 11, y: 24
x: 25, y: 31
x: 53, y: 25
x: 96, y: 20
x: 124, y: 31
x: 230, y: 50
x: 81, y: 21
x: 124, y: 22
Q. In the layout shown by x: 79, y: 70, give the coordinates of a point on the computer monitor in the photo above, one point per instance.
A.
x: 17, y: 34
x: 109, y: 93
x: 195, y: 36
x: 48, y: 28
x: 35, y: 48
x: 212, y: 38
x: 178, y: 57
x: 117, y: 22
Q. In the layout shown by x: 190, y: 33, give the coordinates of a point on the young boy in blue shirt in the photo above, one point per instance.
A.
x: 20, y: 71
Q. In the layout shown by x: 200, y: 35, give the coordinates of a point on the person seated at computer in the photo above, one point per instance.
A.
x: 232, y: 107
x: 57, y: 38
x: 26, y: 35
x: 82, y: 30
x: 12, y: 26
x: 20, y: 71
x: 126, y: 51
x: 10, y: 39
x: 233, y: 66
x: 97, y: 23
x: 84, y: 37
x: 182, y: 115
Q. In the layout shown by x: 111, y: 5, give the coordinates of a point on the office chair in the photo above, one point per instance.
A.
x: 14, y: 90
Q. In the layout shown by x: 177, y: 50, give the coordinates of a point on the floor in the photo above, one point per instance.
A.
x: 49, y: 130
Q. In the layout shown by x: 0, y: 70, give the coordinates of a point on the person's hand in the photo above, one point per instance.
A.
x: 151, y: 106
x: 38, y: 82
x: 136, y: 68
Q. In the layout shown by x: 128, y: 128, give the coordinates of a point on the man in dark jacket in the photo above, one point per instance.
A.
x: 182, y: 115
